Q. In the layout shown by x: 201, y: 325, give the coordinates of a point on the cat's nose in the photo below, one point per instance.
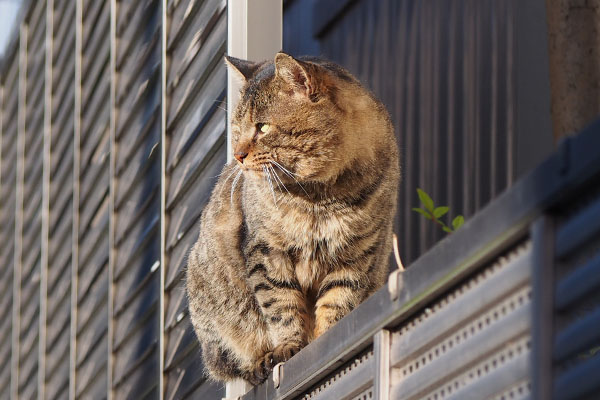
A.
x: 240, y: 155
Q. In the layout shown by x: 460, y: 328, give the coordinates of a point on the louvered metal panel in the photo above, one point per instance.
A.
x: 195, y: 153
x: 576, y: 340
x: 473, y: 343
x: 353, y: 381
x: 136, y: 200
x: 90, y: 328
x: 29, y: 201
x: 8, y: 161
x: 56, y: 282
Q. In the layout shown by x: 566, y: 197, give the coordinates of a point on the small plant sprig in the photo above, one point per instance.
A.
x: 434, y: 213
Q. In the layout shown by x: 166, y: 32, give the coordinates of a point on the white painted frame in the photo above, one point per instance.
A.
x: 254, y: 32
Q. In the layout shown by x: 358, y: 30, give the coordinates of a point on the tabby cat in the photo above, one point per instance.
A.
x: 298, y: 229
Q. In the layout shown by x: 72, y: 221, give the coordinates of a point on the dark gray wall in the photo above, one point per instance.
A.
x: 466, y: 84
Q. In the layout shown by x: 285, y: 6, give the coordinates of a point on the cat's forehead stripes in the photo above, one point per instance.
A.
x: 256, y: 96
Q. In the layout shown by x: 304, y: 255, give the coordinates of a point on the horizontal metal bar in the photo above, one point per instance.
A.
x: 460, y: 356
x: 579, y: 229
x: 577, y: 337
x: 515, y: 370
x: 463, y: 306
x: 578, y: 381
x: 348, y: 382
x: 579, y: 283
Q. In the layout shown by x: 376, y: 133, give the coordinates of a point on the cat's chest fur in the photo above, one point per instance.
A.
x: 311, y: 236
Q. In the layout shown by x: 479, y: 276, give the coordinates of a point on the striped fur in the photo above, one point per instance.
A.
x: 299, y: 233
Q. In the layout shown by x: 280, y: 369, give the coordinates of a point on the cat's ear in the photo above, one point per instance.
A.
x: 243, y: 69
x: 294, y: 72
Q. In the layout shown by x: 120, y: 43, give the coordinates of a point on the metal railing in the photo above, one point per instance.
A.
x: 482, y: 314
x: 111, y: 129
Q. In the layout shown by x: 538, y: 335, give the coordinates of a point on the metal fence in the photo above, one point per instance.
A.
x: 112, y: 135
x: 505, y: 308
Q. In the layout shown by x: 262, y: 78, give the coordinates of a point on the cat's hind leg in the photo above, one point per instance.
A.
x: 219, y: 363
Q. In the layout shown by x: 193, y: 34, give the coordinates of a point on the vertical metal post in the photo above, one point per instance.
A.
x: 2, y: 83
x: 542, y: 234
x: 111, y: 210
x: 75, y: 205
x: 21, y: 112
x: 45, y: 198
x: 2, y: 78
x: 250, y: 38
x: 163, y: 189
x: 381, y: 348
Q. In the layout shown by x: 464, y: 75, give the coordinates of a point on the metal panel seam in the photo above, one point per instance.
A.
x: 22, y: 88
x: 75, y: 206
x: 45, y: 199
x: 163, y: 119
x: 111, y: 217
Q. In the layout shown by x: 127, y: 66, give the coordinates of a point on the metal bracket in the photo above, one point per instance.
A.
x: 395, y: 284
x: 277, y: 374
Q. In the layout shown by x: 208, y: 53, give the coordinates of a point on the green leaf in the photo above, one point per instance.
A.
x: 422, y: 212
x: 425, y: 199
x: 440, y: 211
x: 458, y: 221
x: 446, y: 229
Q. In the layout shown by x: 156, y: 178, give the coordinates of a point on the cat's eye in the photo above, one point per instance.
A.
x: 264, y: 128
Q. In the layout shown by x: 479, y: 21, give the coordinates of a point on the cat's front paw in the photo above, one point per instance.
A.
x: 264, y: 365
x: 285, y: 351
x: 261, y: 370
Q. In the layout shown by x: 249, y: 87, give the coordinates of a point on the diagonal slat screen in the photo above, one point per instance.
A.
x: 90, y: 330
x: 29, y: 199
x: 97, y: 213
x: 8, y: 170
x: 195, y: 151
x: 57, y: 285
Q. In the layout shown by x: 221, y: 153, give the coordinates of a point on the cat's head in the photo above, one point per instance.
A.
x: 308, y: 116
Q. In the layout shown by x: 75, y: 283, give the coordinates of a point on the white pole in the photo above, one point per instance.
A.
x: 254, y: 32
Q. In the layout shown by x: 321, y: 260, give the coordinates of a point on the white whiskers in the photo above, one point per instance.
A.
x: 270, y: 182
x: 235, y: 181
x: 278, y: 179
x: 288, y: 173
x: 235, y: 169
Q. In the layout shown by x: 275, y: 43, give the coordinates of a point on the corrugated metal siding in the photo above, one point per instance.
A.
x: 195, y: 153
x: 136, y: 201
x: 447, y: 72
x: 8, y: 168
x: 29, y: 200
x: 83, y: 111
x: 56, y: 285
x: 90, y: 299
x: 90, y: 331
